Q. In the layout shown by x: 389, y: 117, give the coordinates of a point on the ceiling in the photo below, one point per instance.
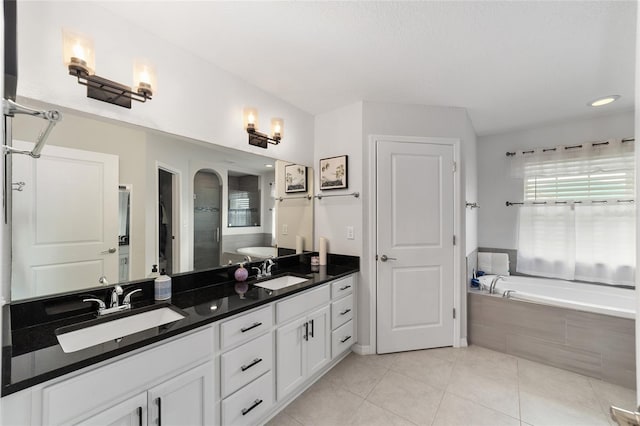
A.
x: 510, y: 64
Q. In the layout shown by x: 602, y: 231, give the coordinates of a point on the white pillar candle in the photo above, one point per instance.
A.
x: 323, y: 251
x: 299, y: 244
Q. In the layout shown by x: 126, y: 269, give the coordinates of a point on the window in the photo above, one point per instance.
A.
x: 578, y: 221
x: 244, y: 200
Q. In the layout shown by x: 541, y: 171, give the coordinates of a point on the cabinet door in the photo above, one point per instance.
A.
x: 290, y: 366
x: 132, y: 412
x: 184, y: 400
x: 318, y: 349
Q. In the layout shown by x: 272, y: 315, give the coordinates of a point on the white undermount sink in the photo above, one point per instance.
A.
x: 112, y: 329
x: 280, y: 282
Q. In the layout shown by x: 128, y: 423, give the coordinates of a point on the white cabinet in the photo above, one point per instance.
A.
x: 303, y: 347
x: 131, y: 412
x: 179, y: 373
x: 246, y: 376
x: 342, y: 311
x: 249, y: 404
x: 183, y: 400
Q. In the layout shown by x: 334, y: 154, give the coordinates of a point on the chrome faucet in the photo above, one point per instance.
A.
x: 114, y: 305
x: 492, y: 287
x: 266, y: 267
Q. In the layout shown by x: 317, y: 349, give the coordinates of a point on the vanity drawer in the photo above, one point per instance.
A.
x: 341, y: 311
x: 245, y: 327
x: 342, y: 339
x: 249, y: 404
x: 342, y: 287
x: 243, y: 364
x: 298, y: 305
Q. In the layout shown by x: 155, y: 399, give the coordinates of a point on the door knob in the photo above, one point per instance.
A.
x: 384, y: 258
x: 110, y: 251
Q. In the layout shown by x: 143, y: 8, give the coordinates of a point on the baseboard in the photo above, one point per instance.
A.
x: 363, y: 349
x: 463, y: 342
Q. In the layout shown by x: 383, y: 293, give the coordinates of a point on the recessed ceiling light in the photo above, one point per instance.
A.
x: 268, y: 165
x: 603, y: 101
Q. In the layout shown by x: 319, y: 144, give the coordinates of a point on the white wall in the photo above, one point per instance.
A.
x: 295, y: 214
x: 346, y: 131
x: 339, y: 132
x: 497, y: 227
x: 194, y: 98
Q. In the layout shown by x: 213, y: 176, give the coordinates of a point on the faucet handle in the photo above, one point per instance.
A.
x: 101, y: 304
x: 127, y: 298
x: 259, y: 275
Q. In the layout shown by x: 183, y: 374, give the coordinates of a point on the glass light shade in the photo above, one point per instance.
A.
x: 277, y: 128
x: 78, y: 53
x: 144, y: 78
x: 250, y: 118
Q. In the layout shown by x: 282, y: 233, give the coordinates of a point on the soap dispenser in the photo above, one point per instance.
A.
x: 162, y: 287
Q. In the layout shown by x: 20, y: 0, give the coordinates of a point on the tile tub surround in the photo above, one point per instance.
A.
x: 599, y: 346
x: 31, y: 353
x: 479, y: 387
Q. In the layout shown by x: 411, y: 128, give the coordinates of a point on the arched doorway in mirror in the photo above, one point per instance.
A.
x: 207, y: 219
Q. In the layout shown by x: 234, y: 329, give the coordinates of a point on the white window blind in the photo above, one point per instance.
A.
x: 609, y: 178
x: 586, y: 231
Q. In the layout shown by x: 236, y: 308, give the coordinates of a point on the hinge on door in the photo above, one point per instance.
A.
x: 454, y: 313
x: 454, y: 240
x: 454, y: 166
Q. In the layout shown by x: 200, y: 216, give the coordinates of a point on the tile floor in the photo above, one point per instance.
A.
x: 447, y: 386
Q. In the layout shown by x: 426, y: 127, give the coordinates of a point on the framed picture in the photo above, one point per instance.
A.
x: 333, y: 173
x: 295, y: 178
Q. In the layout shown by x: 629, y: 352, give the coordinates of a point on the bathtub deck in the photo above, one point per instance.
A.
x: 595, y: 345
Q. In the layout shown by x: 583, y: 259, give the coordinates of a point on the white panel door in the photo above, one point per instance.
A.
x: 290, y: 361
x: 318, y: 345
x: 65, y: 221
x: 184, y: 400
x: 415, y: 197
x: 131, y: 412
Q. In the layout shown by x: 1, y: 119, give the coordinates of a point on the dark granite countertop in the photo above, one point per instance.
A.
x: 31, y: 353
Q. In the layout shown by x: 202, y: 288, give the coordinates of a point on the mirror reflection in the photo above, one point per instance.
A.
x: 108, y: 201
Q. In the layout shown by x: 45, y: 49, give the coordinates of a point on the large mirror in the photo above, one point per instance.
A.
x: 107, y: 201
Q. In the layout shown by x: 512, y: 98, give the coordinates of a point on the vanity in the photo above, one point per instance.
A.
x: 240, y: 354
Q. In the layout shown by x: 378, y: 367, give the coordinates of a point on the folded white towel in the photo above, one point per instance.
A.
x: 493, y: 263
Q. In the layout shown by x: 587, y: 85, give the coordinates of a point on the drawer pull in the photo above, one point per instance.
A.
x: 139, y: 416
x: 345, y: 287
x: 257, y: 402
x: 345, y: 339
x: 159, y: 403
x: 255, y: 324
x: 312, y: 328
x: 254, y: 362
x: 345, y: 312
x: 306, y: 331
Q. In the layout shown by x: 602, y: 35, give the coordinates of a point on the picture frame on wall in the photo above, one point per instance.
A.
x: 295, y: 178
x: 334, y: 173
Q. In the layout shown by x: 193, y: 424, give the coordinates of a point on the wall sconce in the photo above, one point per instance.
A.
x: 250, y: 119
x: 79, y: 57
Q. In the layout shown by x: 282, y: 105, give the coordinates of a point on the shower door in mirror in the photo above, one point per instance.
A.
x: 65, y: 221
x: 207, y: 219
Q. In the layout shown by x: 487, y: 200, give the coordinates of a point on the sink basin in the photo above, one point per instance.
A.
x: 76, y: 337
x: 280, y: 282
